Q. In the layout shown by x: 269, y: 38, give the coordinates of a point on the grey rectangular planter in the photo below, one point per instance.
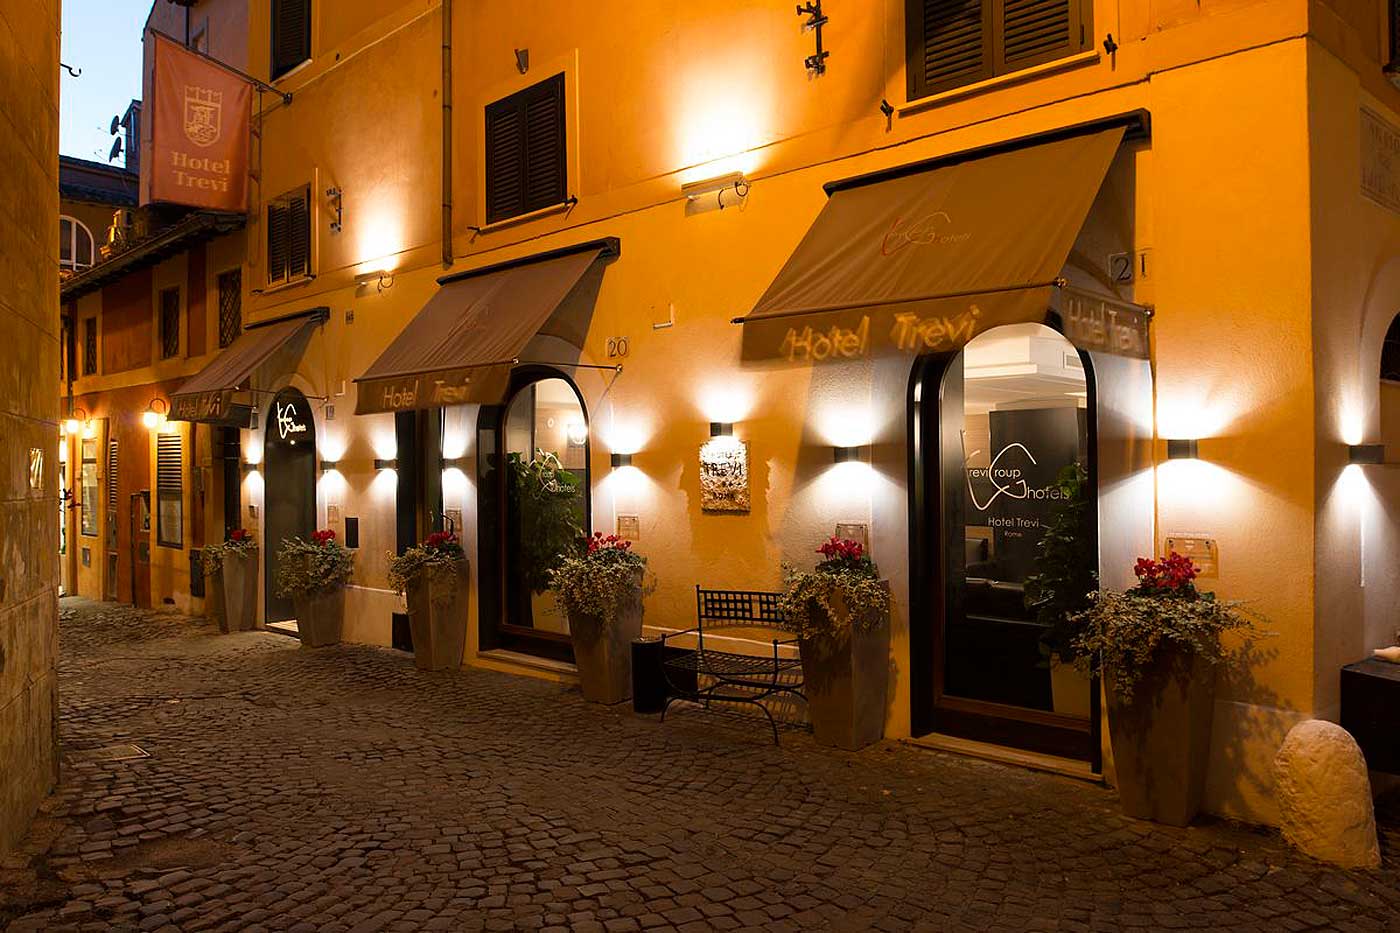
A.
x: 603, y: 652
x: 214, y: 599
x: 1161, y: 740
x: 320, y: 617
x: 846, y: 679
x: 437, y: 614
x: 241, y: 591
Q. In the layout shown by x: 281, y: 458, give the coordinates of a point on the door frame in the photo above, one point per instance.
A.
x: 931, y: 711
x: 279, y: 449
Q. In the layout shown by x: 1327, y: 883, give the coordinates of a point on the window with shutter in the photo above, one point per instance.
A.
x: 289, y: 236
x: 952, y: 43
x: 526, y: 155
x: 90, y: 346
x: 230, y: 306
x: 291, y: 35
x: 170, y: 491
x: 169, y: 323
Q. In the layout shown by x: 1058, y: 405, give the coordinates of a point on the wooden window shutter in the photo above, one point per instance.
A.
x: 948, y: 44
x: 526, y: 153
x: 299, y: 234
x: 1035, y: 31
x: 169, y: 475
x: 291, y: 35
x: 277, y: 258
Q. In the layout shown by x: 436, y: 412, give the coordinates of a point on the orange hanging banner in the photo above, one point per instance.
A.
x: 199, y: 131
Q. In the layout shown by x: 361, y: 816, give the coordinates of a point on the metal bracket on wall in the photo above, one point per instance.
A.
x: 816, y: 62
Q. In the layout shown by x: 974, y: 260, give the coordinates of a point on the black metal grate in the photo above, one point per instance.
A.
x: 738, y: 607
x: 169, y: 323
x: 90, y: 346
x: 230, y: 306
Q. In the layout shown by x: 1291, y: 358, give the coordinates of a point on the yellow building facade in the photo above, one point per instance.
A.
x: 1246, y: 204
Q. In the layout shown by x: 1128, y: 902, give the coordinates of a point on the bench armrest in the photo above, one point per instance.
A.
x: 689, y: 631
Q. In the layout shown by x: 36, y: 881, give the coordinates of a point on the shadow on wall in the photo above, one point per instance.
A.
x: 1249, y: 725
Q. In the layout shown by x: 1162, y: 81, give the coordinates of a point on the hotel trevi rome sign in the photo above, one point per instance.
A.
x: 199, y: 132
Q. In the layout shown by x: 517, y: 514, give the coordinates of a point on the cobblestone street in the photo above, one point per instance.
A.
x: 342, y: 789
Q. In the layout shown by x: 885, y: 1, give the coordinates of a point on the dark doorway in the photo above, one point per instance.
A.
x: 289, y: 477
x: 997, y: 429
x: 533, y: 487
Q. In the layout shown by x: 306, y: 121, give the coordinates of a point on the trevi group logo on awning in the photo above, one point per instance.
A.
x: 199, y: 132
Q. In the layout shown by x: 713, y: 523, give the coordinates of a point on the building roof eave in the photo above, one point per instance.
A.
x: 194, y: 229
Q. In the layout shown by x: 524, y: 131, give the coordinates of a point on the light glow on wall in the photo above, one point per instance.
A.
x: 385, y: 444
x: 379, y: 236
x: 253, y: 447
x: 843, y: 424
x: 726, y: 402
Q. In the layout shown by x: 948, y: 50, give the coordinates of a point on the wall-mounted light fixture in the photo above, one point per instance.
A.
x: 847, y: 454
x: 77, y: 420
x: 721, y: 429
x: 1365, y: 454
x: 718, y: 186
x: 455, y: 463
x: 251, y: 467
x: 154, y: 415
x: 328, y: 465
x: 336, y: 196
x: 1183, y: 448
x: 621, y: 460
x: 386, y: 464
x: 380, y: 278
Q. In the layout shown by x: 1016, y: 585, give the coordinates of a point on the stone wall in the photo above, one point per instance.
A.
x: 29, y: 407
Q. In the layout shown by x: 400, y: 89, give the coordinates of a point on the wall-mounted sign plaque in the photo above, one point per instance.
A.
x: 1380, y: 160
x: 1201, y: 549
x: 1093, y: 322
x: 724, y: 475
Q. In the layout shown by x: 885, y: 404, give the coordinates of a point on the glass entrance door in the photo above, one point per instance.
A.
x: 1011, y: 510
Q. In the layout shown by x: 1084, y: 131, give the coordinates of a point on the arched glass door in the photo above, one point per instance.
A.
x: 1009, y: 514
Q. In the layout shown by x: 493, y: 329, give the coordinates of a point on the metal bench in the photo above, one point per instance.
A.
x: 706, y: 676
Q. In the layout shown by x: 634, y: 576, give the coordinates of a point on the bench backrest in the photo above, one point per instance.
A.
x: 729, y: 608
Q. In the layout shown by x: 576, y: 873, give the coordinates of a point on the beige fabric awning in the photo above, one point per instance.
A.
x: 922, y: 262
x: 208, y: 396
x: 461, y: 346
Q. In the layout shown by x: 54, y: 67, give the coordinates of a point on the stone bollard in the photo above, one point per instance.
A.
x: 1324, y: 795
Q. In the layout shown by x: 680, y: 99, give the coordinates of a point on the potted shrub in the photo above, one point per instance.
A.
x: 433, y: 576
x: 840, y: 612
x: 549, y: 509
x: 212, y: 565
x: 1059, y: 590
x: 601, y: 593
x: 239, y: 563
x: 1158, y: 646
x: 313, y: 574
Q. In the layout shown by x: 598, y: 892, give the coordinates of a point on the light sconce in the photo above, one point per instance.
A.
x: 389, y: 464
x: 721, y: 429
x: 1366, y: 454
x: 718, y: 186
x: 251, y: 468
x: 847, y: 454
x: 1183, y: 448
x: 154, y: 415
x: 621, y: 460
x: 329, y: 465
x: 77, y: 421
x: 382, y: 279
x: 454, y: 463
x: 577, y: 432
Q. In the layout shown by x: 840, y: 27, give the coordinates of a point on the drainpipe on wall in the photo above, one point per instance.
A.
x: 446, y: 133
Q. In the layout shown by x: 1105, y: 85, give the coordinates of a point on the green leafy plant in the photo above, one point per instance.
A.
x: 602, y: 581
x: 1065, y: 576
x: 311, y: 567
x: 440, y: 551
x: 1122, y: 635
x: 240, y: 542
x: 847, y: 579
x: 550, y: 516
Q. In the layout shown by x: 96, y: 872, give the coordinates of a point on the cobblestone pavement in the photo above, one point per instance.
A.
x: 341, y: 789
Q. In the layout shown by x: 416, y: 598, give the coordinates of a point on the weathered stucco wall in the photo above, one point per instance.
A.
x: 29, y: 333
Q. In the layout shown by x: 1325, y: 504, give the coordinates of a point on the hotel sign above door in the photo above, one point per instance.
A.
x: 1095, y: 323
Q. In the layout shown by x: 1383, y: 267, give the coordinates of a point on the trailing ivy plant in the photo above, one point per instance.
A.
x: 847, y: 579
x: 601, y: 582
x: 309, y: 568
x: 1065, y: 576
x: 441, y: 551
x: 1122, y: 635
x: 549, y: 514
x: 239, y: 543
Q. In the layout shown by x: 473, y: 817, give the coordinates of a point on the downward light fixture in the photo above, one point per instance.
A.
x: 1183, y: 448
x: 1365, y: 454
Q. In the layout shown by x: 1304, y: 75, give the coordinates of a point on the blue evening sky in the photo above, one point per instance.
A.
x: 103, y: 38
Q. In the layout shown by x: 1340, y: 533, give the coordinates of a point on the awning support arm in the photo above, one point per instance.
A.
x: 1056, y: 282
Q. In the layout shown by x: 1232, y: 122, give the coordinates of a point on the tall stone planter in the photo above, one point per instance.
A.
x: 846, y: 680
x: 603, y: 652
x: 437, y: 616
x: 241, y: 591
x: 214, y: 599
x: 320, y: 617
x: 1161, y: 740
